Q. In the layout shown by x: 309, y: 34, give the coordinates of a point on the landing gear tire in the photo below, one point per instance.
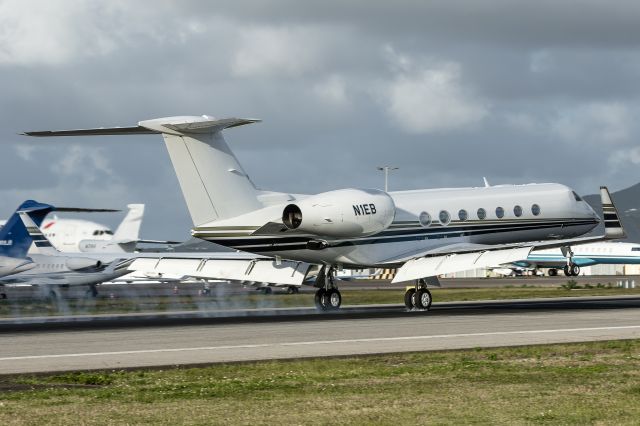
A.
x: 293, y: 290
x: 92, y: 292
x: 409, y: 297
x: 320, y: 299
x: 566, y: 270
x: 422, y: 299
x: 574, y: 270
x: 266, y: 290
x: 332, y: 299
x: 553, y: 272
x: 3, y: 296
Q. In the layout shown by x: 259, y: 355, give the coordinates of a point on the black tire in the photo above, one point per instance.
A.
x: 332, y: 299
x: 3, y: 296
x: 92, y: 292
x: 293, y: 290
x: 575, y: 270
x: 553, y: 272
x: 409, y: 298
x: 423, y: 299
x: 266, y: 290
x: 566, y: 270
x: 320, y: 300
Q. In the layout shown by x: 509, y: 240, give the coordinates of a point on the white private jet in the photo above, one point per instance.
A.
x: 75, y: 235
x: 424, y: 233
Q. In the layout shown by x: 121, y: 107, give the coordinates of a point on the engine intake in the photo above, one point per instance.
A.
x: 341, y: 214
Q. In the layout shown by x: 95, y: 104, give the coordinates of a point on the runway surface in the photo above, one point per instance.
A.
x: 129, y: 341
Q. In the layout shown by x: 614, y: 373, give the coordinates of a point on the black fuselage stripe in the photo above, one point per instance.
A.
x: 274, y: 244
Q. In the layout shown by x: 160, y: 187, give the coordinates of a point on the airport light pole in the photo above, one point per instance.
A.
x: 386, y: 175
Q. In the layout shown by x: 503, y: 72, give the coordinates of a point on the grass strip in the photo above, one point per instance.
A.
x: 590, y: 383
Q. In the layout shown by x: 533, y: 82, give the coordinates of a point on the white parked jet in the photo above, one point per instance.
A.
x: 423, y: 232
x: 610, y: 253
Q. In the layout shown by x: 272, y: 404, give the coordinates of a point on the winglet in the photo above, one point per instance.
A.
x: 612, y: 225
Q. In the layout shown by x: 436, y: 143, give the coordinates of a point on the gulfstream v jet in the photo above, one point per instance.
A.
x: 424, y: 233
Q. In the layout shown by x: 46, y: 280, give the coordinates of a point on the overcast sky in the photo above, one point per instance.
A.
x: 447, y: 91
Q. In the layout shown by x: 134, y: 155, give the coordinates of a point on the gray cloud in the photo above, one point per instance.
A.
x: 447, y: 91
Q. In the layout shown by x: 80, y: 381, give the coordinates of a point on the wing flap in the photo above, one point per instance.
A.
x: 445, y: 264
x: 258, y: 270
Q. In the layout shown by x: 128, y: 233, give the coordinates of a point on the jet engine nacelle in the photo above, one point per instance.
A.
x: 77, y: 263
x: 342, y: 213
x: 12, y: 265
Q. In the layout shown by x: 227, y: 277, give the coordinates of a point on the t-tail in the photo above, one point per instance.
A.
x: 213, y: 182
x: 30, y: 222
x: 14, y: 237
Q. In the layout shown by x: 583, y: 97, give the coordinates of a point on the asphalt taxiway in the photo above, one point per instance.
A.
x: 130, y: 341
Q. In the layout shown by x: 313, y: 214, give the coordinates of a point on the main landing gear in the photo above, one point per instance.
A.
x: 419, y: 297
x: 328, y: 297
x: 571, y: 270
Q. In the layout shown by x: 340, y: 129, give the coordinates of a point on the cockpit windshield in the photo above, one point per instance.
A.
x: 576, y: 196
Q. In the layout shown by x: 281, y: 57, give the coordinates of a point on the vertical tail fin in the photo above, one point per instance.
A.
x: 14, y: 237
x: 129, y: 228
x: 212, y: 180
x: 43, y: 245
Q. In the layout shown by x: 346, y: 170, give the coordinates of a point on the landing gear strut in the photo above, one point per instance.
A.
x: 418, y: 297
x: 328, y: 297
x: 92, y: 291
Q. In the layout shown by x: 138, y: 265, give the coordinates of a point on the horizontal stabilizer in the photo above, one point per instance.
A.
x: 210, y: 125
x: 101, y: 131
x: 81, y: 210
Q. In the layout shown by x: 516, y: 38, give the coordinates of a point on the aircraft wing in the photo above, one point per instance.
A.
x: 462, y: 256
x: 242, y: 268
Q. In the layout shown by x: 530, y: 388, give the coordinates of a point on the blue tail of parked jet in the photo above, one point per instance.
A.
x: 14, y: 237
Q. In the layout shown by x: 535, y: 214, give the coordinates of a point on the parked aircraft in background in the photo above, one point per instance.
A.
x: 53, y: 268
x: 50, y: 268
x: 424, y: 233
x: 14, y: 245
x: 611, y: 253
x: 79, y: 235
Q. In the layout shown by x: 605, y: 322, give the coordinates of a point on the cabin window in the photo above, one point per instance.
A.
x: 425, y: 219
x: 635, y: 248
x: 535, y: 209
x: 463, y: 215
x: 482, y: 214
x: 444, y: 217
x: 499, y: 212
x: 517, y: 210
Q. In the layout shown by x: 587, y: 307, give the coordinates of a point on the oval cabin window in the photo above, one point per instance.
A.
x: 425, y: 219
x: 444, y: 217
